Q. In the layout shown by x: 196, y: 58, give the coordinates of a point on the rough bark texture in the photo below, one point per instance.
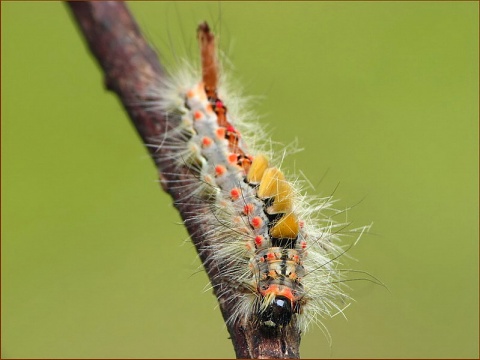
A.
x: 130, y: 66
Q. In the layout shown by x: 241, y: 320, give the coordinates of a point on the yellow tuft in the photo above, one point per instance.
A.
x: 269, y: 185
x: 283, y: 201
x: 286, y: 227
x: 258, y: 167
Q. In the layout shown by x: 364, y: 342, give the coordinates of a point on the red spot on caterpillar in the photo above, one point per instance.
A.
x: 190, y: 94
x: 206, y: 141
x: 221, y: 132
x: 259, y: 240
x: 301, y: 223
x: 197, y: 115
x: 271, y: 256
x: 303, y: 244
x: 293, y: 256
x: 257, y: 222
x: 220, y: 170
x: 232, y: 159
x: 235, y: 193
x: 248, y: 209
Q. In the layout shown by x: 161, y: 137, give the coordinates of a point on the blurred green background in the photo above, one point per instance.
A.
x: 382, y: 95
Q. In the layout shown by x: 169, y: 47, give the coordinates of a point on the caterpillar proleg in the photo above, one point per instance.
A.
x: 277, y: 249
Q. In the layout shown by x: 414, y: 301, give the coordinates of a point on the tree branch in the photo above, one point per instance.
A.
x: 130, y: 66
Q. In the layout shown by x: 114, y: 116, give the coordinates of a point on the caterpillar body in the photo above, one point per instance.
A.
x: 278, y: 251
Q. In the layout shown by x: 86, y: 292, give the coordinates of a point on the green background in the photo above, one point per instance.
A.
x: 382, y: 95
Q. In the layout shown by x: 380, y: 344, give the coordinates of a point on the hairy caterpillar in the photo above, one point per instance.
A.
x: 277, y: 249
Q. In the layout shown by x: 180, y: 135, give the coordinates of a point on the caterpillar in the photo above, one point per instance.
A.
x: 277, y: 251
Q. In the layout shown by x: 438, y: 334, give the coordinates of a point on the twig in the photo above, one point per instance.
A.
x: 130, y: 66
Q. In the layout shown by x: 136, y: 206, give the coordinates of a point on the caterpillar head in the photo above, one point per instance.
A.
x: 278, y: 313
x: 278, y: 305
